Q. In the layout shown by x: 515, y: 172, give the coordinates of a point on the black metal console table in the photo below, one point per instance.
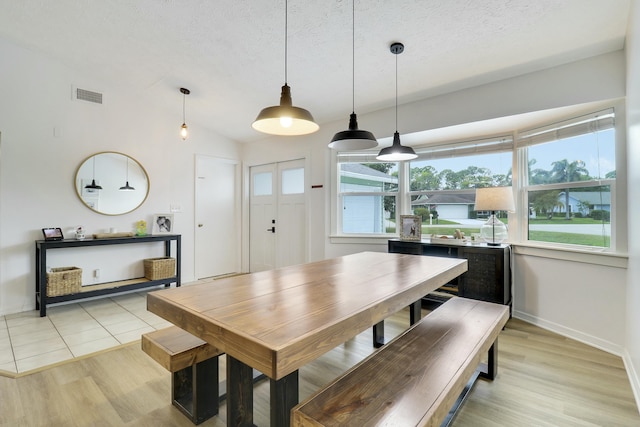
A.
x: 42, y: 246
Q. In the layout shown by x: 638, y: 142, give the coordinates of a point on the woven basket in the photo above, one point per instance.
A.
x: 159, y: 268
x: 63, y: 281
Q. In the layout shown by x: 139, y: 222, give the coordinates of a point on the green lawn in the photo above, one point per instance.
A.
x: 560, y: 221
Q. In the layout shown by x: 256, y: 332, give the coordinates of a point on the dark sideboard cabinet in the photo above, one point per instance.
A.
x: 488, y: 277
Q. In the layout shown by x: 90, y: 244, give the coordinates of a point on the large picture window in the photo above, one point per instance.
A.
x: 367, y: 197
x: 443, y: 182
x: 571, y: 174
x: 563, y: 177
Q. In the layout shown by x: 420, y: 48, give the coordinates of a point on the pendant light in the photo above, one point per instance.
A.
x: 353, y: 138
x: 127, y: 187
x: 93, y: 185
x: 285, y: 119
x: 183, y: 129
x: 397, y: 151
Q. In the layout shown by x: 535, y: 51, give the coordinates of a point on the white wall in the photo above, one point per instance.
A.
x: 632, y: 358
x: 37, y: 168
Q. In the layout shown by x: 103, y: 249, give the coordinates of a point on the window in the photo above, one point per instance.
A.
x: 443, y: 180
x: 563, y: 174
x: 367, y: 197
x: 570, y: 170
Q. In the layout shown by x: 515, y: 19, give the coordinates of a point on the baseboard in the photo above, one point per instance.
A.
x: 632, y: 373
x: 591, y: 340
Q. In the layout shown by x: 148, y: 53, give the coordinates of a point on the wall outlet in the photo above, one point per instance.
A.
x: 175, y: 207
x: 96, y: 273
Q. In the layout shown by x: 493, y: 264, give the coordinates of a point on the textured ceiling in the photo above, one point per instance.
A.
x: 230, y: 53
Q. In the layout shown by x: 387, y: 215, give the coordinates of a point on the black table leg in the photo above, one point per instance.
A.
x: 378, y: 334
x: 284, y: 396
x: 415, y: 312
x: 239, y: 393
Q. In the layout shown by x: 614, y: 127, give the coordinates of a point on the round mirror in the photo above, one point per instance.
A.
x: 111, y: 183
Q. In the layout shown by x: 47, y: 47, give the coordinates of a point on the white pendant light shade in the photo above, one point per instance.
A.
x: 285, y: 119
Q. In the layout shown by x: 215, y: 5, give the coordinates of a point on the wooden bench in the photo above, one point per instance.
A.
x: 194, y: 367
x: 419, y: 378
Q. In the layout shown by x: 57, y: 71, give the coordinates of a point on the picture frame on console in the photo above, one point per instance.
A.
x: 162, y: 224
x: 410, y: 227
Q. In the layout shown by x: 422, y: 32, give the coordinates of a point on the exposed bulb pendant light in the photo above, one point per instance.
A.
x: 285, y: 119
x: 127, y: 187
x: 184, y: 132
x: 93, y: 185
x: 353, y: 138
x: 397, y: 152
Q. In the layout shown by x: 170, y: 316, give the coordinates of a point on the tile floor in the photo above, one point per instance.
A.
x: 28, y: 341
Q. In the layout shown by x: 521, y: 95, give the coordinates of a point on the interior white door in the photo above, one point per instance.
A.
x: 278, y: 228
x: 217, y: 226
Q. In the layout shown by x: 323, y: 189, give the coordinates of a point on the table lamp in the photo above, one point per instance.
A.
x: 494, y: 199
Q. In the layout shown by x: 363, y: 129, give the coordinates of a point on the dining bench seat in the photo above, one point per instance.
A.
x: 193, y: 364
x: 417, y: 379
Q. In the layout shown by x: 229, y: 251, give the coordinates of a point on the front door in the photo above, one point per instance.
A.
x: 278, y: 215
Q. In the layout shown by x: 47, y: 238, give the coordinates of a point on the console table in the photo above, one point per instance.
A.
x: 488, y: 277
x: 42, y: 246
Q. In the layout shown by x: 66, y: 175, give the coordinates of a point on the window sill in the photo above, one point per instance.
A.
x: 376, y: 239
x: 593, y: 256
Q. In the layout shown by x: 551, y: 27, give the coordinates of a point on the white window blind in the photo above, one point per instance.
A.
x: 594, y: 122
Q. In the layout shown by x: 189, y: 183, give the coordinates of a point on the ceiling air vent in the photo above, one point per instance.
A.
x: 87, y: 95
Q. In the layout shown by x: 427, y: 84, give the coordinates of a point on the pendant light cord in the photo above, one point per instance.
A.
x: 286, y: 25
x: 184, y: 95
x: 396, y: 92
x: 353, y: 56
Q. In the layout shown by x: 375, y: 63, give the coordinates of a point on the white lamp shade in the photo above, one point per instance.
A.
x: 495, y: 199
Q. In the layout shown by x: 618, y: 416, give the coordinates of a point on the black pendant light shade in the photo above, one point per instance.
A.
x: 397, y: 152
x: 353, y: 138
x: 127, y: 187
x: 285, y: 119
x: 93, y: 185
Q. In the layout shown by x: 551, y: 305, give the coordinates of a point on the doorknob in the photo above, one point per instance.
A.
x: 272, y: 229
x: 200, y: 225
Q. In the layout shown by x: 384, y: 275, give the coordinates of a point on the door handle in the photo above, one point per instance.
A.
x: 272, y: 229
x: 200, y: 225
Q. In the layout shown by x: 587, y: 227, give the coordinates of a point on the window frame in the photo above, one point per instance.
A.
x: 518, y: 222
x: 582, y: 125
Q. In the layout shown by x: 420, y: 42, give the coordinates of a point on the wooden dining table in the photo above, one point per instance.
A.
x: 277, y: 321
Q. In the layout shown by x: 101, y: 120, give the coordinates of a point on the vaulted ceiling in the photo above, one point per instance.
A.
x: 230, y: 53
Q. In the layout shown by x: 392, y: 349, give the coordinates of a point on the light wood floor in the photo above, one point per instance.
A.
x: 543, y: 380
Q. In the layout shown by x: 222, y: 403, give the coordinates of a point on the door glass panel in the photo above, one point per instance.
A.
x: 262, y: 184
x: 293, y: 181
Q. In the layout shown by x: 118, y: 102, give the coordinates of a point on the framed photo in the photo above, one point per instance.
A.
x: 54, y: 233
x: 162, y: 224
x: 410, y: 227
